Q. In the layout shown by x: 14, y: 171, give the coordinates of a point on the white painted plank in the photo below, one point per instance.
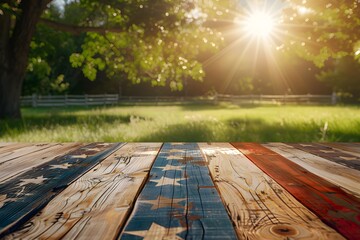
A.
x: 346, y: 178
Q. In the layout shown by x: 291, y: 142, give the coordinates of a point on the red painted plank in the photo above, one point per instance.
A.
x: 332, y: 205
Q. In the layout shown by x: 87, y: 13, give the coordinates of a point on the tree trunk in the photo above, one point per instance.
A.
x: 14, y: 51
x: 10, y: 91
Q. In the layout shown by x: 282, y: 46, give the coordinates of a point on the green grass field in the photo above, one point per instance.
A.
x: 223, y: 122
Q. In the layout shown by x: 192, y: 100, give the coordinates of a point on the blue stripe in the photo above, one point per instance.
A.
x: 199, y: 209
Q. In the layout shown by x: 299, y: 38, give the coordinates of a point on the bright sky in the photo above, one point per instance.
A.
x: 60, y: 3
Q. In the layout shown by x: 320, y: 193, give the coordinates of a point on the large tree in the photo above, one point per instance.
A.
x: 151, y: 40
x: 17, y: 26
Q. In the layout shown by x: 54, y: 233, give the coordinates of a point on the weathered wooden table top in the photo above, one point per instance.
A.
x: 180, y: 191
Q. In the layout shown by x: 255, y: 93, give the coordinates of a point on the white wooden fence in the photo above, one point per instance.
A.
x: 114, y: 99
x: 308, y: 98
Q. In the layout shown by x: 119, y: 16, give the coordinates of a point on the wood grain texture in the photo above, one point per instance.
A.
x: 346, y: 178
x: 2, y: 144
x: 349, y: 148
x: 96, y: 205
x: 19, y: 150
x: 23, y: 196
x: 6, y: 147
x: 180, y: 200
x: 16, y: 166
x: 259, y: 207
x: 329, y: 153
x: 331, y: 204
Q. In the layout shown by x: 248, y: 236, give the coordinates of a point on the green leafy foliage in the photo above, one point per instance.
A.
x: 49, y: 70
x: 322, y: 29
x: 326, y: 32
x: 159, y: 43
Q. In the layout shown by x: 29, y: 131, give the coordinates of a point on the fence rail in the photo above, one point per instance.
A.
x: 308, y: 98
x: 113, y: 99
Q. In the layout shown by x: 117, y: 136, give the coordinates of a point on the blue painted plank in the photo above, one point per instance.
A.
x: 23, y: 196
x: 179, y: 200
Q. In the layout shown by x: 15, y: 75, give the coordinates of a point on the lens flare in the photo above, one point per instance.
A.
x: 259, y: 24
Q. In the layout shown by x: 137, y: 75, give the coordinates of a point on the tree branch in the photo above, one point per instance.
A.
x: 75, y: 30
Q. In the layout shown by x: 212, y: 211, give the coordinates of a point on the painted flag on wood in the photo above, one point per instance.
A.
x: 24, y: 195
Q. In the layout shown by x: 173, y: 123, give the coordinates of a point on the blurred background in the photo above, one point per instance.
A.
x: 187, y: 70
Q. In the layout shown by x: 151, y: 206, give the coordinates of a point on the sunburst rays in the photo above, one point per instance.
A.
x: 249, y: 46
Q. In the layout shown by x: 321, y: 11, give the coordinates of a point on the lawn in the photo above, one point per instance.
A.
x: 223, y: 122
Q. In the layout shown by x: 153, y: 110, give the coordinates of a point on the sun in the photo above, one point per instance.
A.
x: 259, y: 24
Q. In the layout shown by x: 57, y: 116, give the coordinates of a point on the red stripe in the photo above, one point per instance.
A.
x: 332, y: 205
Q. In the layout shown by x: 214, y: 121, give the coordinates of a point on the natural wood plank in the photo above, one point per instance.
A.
x: 8, y: 148
x: 335, y: 207
x: 17, y: 166
x: 259, y: 207
x: 346, y: 178
x: 349, y: 148
x: 2, y: 144
x: 23, y: 150
x: 23, y: 196
x: 5, y: 145
x: 329, y: 153
x: 180, y: 200
x: 96, y: 205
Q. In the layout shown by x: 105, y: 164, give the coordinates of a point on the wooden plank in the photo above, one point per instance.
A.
x: 23, y: 196
x: 17, y: 166
x: 346, y: 178
x: 23, y: 150
x: 98, y: 203
x: 259, y: 207
x: 330, y: 203
x: 8, y: 148
x: 329, y: 153
x: 179, y: 200
x: 349, y: 148
x: 6, y: 144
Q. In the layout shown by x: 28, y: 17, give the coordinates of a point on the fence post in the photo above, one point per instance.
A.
x: 216, y: 98
x: 333, y: 98
x: 33, y: 102
x: 66, y: 99
x: 86, y: 100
